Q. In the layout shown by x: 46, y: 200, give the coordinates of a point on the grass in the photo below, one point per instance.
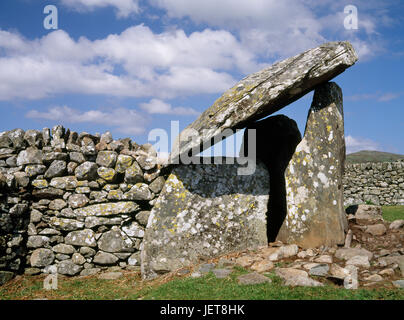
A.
x: 391, y: 213
x: 130, y: 287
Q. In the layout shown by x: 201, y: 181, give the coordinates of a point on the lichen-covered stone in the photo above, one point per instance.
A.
x: 108, y: 174
x: 42, y: 257
x: 86, y: 171
x: 35, y: 169
x: 78, y: 201
x: 57, y: 204
x: 29, y: 156
x: 84, y: 238
x: 115, y: 241
x: 268, y: 91
x: 133, y: 229
x: 123, y: 162
x: 37, y: 241
x: 134, y: 174
x: 92, y: 222
x: 314, y: 193
x: 139, y: 192
x: 67, y: 267
x: 63, y: 248
x: 205, y: 210
x: 77, y: 157
x: 157, y: 185
x: 106, y: 159
x: 65, y: 224
x: 105, y: 258
x: 65, y: 183
x: 108, y: 209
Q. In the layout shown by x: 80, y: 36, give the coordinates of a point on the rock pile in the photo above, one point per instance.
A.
x: 72, y: 203
x: 373, y: 256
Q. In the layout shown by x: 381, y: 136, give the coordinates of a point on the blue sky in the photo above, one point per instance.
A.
x: 129, y: 66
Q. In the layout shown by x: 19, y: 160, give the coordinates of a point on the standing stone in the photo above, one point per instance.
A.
x: 205, y: 210
x: 314, y: 190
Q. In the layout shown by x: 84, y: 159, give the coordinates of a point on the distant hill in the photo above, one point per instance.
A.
x: 372, y: 156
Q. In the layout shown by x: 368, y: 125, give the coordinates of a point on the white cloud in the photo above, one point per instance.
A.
x: 164, y: 65
x: 127, y: 121
x: 378, y: 96
x: 359, y: 144
x: 156, y: 106
x: 124, y: 7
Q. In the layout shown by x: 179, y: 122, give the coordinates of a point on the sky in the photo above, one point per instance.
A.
x: 131, y: 66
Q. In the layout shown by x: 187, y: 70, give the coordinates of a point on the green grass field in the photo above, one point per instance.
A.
x: 391, y: 213
x: 205, y: 288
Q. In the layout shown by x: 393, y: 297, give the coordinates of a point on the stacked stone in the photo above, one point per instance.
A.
x: 378, y: 183
x: 89, y: 198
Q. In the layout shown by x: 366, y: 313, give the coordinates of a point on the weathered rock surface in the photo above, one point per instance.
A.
x: 205, y: 210
x: 108, y: 209
x: 315, y: 207
x: 268, y: 91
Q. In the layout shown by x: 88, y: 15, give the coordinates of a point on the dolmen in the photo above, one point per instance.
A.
x: 282, y: 187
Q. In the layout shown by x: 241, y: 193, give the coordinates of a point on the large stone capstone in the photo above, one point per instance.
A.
x: 204, y: 211
x: 265, y: 92
x: 314, y: 191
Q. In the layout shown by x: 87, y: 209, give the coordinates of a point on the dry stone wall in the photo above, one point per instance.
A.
x: 73, y: 203
x: 379, y: 183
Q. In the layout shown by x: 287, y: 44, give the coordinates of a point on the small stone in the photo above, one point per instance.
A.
x: 246, y: 261
x: 206, y: 268
x: 105, y: 258
x: 262, y: 266
x: 222, y: 273
x: 376, y: 229
x: 106, y: 159
x: 5, y: 276
x: 56, y: 169
x: 142, y: 217
x: 359, y: 261
x: 57, y: 205
x: 108, y: 174
x: 323, y: 259
x: 78, y: 201
x: 320, y: 270
x: 42, y: 257
x: 133, y: 174
x: 32, y: 271
x: 253, y: 278
x: 374, y: 278
x: 347, y: 253
x: 134, y: 259
x: 37, y: 241
x: 63, y: 248
x: 110, y: 275
x: 67, y: 267
x: 86, y: 171
x: 397, y: 224
x: 84, y: 238
x: 139, y: 192
x: 89, y: 272
x: 157, y: 185
x: 29, y: 156
x: 399, y: 284
x: 77, y: 258
x: 87, y: 252
x: 338, y: 272
x: 387, y: 272
x: 77, y: 157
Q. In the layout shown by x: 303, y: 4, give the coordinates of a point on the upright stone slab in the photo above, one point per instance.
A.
x: 204, y: 211
x: 314, y: 191
x: 265, y: 92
